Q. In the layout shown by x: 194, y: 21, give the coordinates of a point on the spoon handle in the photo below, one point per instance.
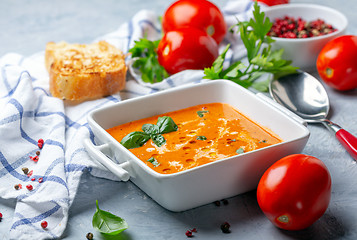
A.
x: 348, y: 141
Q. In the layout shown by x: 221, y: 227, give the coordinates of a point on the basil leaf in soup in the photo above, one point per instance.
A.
x: 201, y: 113
x: 201, y: 138
x: 150, y: 128
x: 135, y: 139
x: 166, y: 125
x: 158, y: 139
x: 154, y: 162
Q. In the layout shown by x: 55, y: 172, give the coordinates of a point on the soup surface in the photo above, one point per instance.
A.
x: 205, y: 133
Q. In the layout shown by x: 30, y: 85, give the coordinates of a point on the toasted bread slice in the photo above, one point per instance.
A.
x: 84, y: 71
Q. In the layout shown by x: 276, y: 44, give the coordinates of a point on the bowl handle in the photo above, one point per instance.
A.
x: 96, y: 152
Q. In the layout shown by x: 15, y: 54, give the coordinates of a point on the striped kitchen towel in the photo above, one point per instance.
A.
x: 43, y: 177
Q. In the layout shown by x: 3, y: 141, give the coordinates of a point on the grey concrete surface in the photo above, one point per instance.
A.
x: 27, y: 25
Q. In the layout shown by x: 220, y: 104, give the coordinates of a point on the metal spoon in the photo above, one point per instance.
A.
x: 304, y: 95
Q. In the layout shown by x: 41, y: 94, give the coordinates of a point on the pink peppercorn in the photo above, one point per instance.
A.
x: 188, y: 233
x: 40, y: 180
x: 35, y: 159
x: 40, y: 143
x: 30, y: 173
x: 289, y: 27
x: 29, y: 187
x: 44, y: 224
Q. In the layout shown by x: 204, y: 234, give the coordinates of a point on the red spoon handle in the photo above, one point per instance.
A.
x: 348, y: 141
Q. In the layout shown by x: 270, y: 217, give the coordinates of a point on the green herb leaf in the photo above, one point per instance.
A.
x: 214, y: 72
x: 150, y: 129
x: 154, y: 161
x: 202, y: 138
x: 135, y: 139
x: 260, y: 23
x: 158, y: 139
x: 261, y: 59
x: 201, y: 113
x: 108, y: 223
x: 240, y: 150
x: 166, y: 125
x: 146, y: 53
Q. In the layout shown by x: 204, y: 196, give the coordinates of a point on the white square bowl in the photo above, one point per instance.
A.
x: 204, y: 184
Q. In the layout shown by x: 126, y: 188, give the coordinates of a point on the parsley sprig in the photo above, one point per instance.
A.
x: 261, y: 58
x: 145, y: 59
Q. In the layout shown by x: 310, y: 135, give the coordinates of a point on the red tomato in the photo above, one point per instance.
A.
x: 186, y: 48
x: 200, y: 14
x: 295, y: 191
x: 337, y: 64
x: 273, y: 2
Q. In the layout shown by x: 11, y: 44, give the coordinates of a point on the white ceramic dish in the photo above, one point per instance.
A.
x: 208, y: 183
x: 304, y: 51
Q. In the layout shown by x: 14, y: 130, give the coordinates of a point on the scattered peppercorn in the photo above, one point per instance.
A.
x: 35, y: 158
x: 44, y: 224
x: 289, y: 27
x: 218, y: 203
x: 89, y: 236
x: 30, y: 173
x: 189, y: 233
x: 29, y: 187
x: 0, y: 216
x: 40, y: 180
x: 25, y: 170
x: 18, y: 186
x: 225, y: 227
x: 40, y: 143
x: 38, y: 153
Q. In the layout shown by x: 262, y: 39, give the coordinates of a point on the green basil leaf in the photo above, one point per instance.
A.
x: 201, y: 113
x: 158, y: 139
x: 135, y: 139
x: 150, y: 129
x: 202, y: 138
x: 166, y: 124
x: 108, y: 223
x: 154, y: 161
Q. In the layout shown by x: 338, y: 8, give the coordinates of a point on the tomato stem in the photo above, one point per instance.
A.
x: 283, y: 219
x: 329, y: 72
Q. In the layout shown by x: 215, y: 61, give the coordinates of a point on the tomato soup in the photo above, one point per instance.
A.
x: 205, y: 133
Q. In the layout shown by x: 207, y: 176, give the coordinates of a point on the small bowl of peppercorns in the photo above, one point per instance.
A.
x: 302, y: 30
